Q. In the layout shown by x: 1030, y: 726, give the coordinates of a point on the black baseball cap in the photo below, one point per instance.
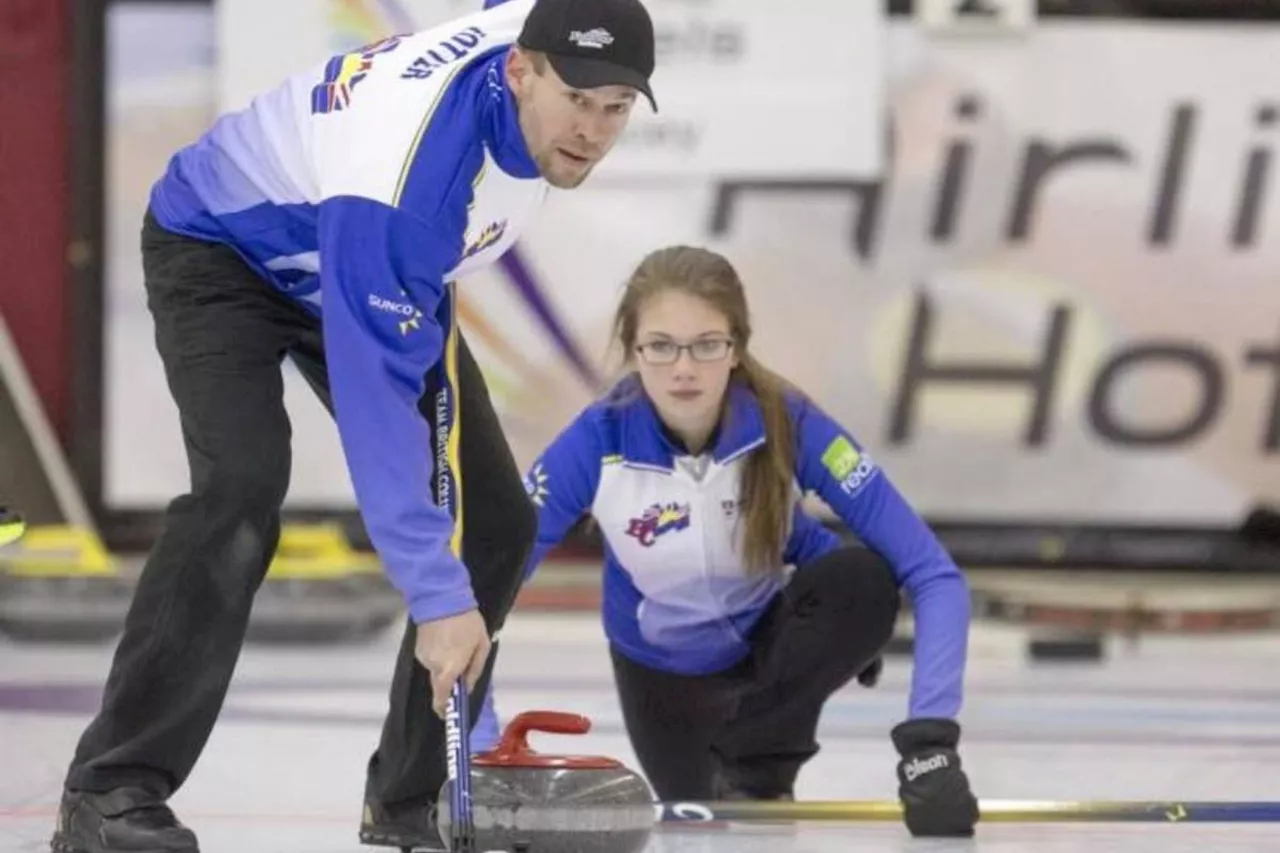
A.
x: 592, y: 43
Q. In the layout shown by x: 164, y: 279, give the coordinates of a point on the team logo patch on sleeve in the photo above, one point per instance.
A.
x: 343, y: 73
x: 408, y: 316
x: 535, y: 484
x: 840, y: 457
x: 849, y: 466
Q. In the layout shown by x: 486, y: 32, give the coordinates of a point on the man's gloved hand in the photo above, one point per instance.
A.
x: 933, y: 788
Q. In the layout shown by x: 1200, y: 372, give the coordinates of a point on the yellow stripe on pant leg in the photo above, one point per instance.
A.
x: 445, y: 416
x: 455, y: 431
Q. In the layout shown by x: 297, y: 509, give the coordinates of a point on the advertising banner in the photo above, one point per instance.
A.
x: 1058, y: 302
x: 744, y: 87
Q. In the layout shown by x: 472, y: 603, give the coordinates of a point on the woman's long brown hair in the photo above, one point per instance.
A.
x: 768, y: 473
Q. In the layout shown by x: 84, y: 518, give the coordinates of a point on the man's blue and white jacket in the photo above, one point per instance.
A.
x: 361, y: 188
x: 675, y: 595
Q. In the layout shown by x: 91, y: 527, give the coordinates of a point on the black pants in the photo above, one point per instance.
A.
x: 750, y: 729
x: 222, y: 334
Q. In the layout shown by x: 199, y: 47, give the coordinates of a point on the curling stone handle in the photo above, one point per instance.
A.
x: 515, y: 738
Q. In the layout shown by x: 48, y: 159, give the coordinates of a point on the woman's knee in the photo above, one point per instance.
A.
x: 852, y: 575
x: 856, y: 592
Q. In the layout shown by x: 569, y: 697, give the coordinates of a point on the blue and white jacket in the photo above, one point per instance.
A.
x: 675, y: 595
x: 362, y: 188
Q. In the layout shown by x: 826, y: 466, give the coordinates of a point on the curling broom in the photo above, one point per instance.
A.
x: 991, y: 811
x: 457, y: 721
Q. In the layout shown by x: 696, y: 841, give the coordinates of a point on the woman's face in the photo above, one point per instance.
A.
x: 684, y: 355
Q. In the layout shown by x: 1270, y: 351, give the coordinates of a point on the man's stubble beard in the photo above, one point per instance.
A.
x: 557, y: 182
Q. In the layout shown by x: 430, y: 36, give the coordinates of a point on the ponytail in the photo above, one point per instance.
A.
x: 766, y: 489
x: 768, y: 471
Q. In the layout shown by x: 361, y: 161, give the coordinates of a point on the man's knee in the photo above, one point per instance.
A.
x: 229, y: 527
x: 251, y: 486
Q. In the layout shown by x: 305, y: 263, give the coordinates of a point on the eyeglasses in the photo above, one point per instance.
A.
x: 668, y: 352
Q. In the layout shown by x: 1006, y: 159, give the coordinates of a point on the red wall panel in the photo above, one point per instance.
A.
x: 34, y: 57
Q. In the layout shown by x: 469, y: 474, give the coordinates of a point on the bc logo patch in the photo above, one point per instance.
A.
x: 658, y: 520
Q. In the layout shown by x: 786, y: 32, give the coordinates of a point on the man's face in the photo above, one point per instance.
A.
x: 568, y: 131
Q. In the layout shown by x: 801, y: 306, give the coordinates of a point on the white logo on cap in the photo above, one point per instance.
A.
x: 597, y: 38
